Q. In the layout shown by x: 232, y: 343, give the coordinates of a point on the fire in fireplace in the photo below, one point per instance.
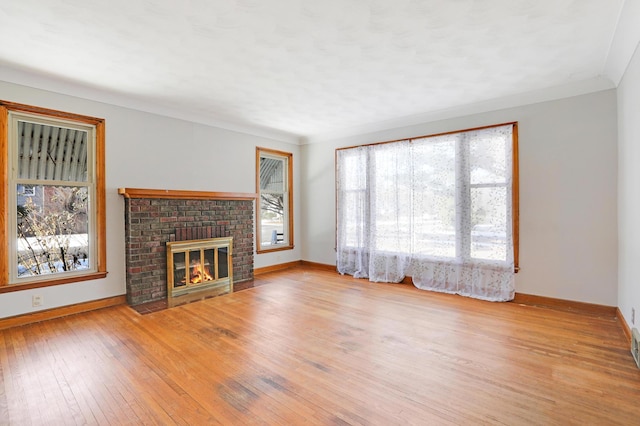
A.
x: 199, y: 273
x: 196, y: 265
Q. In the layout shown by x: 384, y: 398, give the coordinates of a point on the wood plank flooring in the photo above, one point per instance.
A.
x: 312, y: 347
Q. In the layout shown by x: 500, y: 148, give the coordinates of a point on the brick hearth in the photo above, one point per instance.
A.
x: 154, y: 217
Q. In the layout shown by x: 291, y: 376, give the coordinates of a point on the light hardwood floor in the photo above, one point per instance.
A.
x: 312, y: 347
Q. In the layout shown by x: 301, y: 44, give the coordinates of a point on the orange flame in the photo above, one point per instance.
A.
x: 199, y: 274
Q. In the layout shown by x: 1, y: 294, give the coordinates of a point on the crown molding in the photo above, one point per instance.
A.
x: 576, y: 88
x: 625, y: 41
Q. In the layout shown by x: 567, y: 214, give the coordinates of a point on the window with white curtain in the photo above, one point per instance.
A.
x: 442, y: 209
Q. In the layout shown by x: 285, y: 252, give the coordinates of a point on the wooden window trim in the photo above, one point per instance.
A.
x: 515, y: 199
x: 289, y: 156
x: 100, y: 202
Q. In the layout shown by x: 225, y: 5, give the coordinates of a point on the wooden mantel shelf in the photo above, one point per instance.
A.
x: 185, y: 195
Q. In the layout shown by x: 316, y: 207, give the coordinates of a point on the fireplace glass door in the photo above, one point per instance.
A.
x: 223, y: 262
x: 199, y: 264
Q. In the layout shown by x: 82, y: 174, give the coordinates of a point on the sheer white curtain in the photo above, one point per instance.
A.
x: 353, y: 211
x: 437, y: 208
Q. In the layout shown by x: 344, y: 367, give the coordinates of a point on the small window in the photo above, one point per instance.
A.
x: 55, y: 198
x: 275, y: 202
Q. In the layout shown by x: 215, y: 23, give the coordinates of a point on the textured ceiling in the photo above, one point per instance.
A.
x: 304, y: 68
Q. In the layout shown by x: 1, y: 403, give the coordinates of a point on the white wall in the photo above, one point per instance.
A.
x: 628, y: 191
x: 568, y: 172
x: 150, y: 151
x: 568, y: 204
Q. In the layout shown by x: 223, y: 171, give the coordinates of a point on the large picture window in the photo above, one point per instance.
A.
x: 274, y: 182
x: 442, y: 209
x: 53, y: 166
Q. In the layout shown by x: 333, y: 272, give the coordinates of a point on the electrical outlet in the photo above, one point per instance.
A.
x: 36, y: 300
x: 633, y: 315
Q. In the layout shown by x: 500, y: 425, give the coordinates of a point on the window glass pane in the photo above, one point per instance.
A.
x: 353, y: 170
x: 354, y: 219
x: 391, y: 190
x: 489, y: 223
x: 352, y: 181
x: 51, y: 153
x: 434, y: 197
x: 26, y: 190
x: 272, y: 174
x: 52, y: 230
x: 272, y: 219
x: 487, y: 159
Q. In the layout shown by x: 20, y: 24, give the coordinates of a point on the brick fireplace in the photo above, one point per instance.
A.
x: 155, y: 217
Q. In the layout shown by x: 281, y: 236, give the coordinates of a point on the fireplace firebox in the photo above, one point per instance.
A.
x: 197, y: 265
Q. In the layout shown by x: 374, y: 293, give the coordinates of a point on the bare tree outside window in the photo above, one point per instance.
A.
x: 52, y: 231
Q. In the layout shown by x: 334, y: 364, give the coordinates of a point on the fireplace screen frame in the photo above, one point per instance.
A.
x: 217, y: 245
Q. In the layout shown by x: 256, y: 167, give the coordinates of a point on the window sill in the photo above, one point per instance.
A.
x: 48, y: 283
x: 270, y: 250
